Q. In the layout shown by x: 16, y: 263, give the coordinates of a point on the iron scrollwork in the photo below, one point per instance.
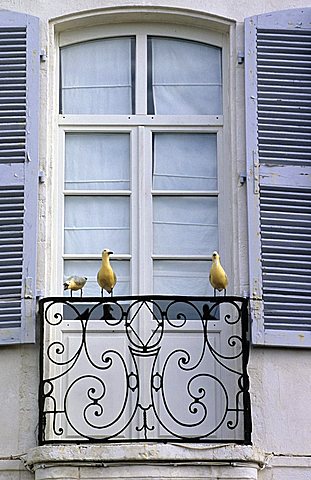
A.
x: 143, y: 368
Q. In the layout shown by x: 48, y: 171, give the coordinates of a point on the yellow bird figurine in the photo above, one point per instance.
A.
x: 106, y: 278
x: 217, y: 276
x: 75, y: 283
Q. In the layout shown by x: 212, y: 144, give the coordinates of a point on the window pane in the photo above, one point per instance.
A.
x: 185, y: 225
x: 181, y: 277
x: 184, y: 78
x: 96, y: 77
x: 185, y: 161
x: 93, y: 223
x: 89, y: 269
x: 97, y: 161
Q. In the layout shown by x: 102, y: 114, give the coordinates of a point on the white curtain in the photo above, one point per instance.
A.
x: 185, y: 161
x: 181, y: 277
x: 93, y: 223
x: 185, y: 225
x: 97, y: 161
x: 96, y: 77
x: 186, y: 77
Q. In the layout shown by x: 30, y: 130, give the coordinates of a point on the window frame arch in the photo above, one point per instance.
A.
x: 218, y: 36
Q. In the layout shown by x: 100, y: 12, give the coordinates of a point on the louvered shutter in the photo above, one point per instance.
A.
x: 278, y: 127
x: 19, y: 91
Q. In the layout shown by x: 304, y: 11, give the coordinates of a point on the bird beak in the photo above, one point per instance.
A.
x: 110, y: 252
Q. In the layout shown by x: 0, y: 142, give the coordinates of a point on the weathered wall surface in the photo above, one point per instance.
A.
x: 280, y: 378
x: 47, y: 9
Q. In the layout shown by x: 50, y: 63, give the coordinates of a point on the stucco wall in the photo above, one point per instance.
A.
x: 280, y: 378
x: 228, y: 8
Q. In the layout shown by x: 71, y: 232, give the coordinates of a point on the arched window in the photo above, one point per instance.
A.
x: 142, y: 119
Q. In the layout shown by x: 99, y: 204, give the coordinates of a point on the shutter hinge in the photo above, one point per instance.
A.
x: 241, y: 57
x: 41, y: 176
x: 43, y: 55
x: 245, y: 293
x: 39, y: 294
x: 256, y: 173
x: 242, y: 178
x: 28, y: 293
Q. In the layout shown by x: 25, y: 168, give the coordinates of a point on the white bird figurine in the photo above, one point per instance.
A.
x: 75, y: 283
x: 217, y: 276
x: 106, y: 278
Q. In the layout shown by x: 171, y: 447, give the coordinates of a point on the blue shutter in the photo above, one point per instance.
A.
x: 278, y: 123
x: 19, y: 92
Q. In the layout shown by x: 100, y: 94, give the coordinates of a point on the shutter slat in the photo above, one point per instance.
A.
x: 284, y: 235
x: 14, y: 323
x: 11, y: 248
x: 275, y: 297
x: 283, y: 325
x: 270, y: 140
x: 283, y: 220
x: 10, y: 276
x: 283, y: 78
x: 272, y: 285
x: 302, y: 311
x: 282, y: 202
x: 301, y: 282
x: 275, y: 262
x: 285, y: 245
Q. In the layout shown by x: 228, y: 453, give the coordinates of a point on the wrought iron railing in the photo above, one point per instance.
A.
x: 154, y: 368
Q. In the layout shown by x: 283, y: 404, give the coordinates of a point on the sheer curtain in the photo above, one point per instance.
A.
x: 96, y: 77
x: 191, y: 220
x: 185, y: 161
x: 98, y: 165
x: 97, y: 161
x: 184, y: 224
x: 181, y: 277
x: 95, y: 222
x: 185, y: 77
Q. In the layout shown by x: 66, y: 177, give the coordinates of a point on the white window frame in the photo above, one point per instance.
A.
x: 142, y: 125
x: 152, y: 193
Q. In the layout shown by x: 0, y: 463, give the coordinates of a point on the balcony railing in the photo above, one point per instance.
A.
x: 154, y: 368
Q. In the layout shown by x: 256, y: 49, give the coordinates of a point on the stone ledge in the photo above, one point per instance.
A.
x: 286, y: 460
x: 145, y: 453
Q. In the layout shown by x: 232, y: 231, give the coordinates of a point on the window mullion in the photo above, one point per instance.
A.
x: 57, y: 226
x: 134, y: 217
x: 145, y: 210
x: 141, y: 75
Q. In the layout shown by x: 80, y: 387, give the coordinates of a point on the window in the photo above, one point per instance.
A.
x: 105, y: 83
x: 141, y: 139
x: 184, y: 78
x: 143, y: 168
